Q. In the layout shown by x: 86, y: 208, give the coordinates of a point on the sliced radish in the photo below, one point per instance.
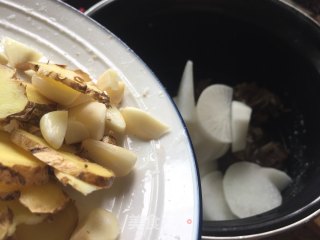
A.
x: 207, y: 149
x: 215, y: 207
x: 185, y: 99
x: 240, y: 119
x: 207, y: 167
x: 214, y: 112
x: 279, y: 178
x: 248, y: 192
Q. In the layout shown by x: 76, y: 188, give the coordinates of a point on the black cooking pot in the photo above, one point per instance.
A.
x: 231, y: 41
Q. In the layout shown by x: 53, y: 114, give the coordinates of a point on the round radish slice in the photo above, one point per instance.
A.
x: 240, y: 118
x: 215, y: 207
x: 214, y: 112
x: 185, y: 99
x: 248, y: 192
x: 207, y: 149
x: 279, y: 178
x: 207, y: 167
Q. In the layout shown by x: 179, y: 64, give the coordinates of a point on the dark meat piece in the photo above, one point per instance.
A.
x: 266, y: 105
x: 272, y: 154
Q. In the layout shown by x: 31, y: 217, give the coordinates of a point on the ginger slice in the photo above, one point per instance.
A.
x: 13, y: 99
x: 19, y: 100
x: 63, y: 161
x: 19, y: 215
x: 77, y: 184
x: 58, y: 226
x: 18, y: 167
x: 71, y: 79
x: 46, y: 198
x: 5, y: 222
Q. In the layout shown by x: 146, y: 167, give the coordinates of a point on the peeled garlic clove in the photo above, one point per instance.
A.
x: 92, y: 115
x: 99, y: 225
x: 18, y: 53
x: 279, y: 178
x: 248, y: 192
x: 120, y: 160
x: 214, y: 112
x: 114, y: 120
x: 142, y: 124
x: 111, y: 82
x: 79, y: 185
x: 35, y: 96
x: 240, y: 119
x: 76, y: 132
x: 53, y: 126
x: 29, y: 73
x: 215, y: 207
x: 82, y: 98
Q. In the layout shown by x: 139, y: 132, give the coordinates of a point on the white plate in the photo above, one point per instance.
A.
x: 160, y: 200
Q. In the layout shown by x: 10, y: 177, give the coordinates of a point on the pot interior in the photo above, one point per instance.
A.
x: 232, y: 42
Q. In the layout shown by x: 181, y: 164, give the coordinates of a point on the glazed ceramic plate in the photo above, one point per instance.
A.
x: 160, y: 199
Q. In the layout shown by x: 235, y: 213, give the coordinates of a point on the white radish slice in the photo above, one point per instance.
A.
x: 185, y: 98
x: 92, y: 115
x: 214, y: 112
x: 248, y: 192
x: 53, y: 126
x: 120, y: 160
x: 215, y: 207
x: 114, y: 120
x: 143, y: 125
x: 208, y: 149
x: 76, y: 132
x: 185, y: 102
x: 240, y: 119
x: 99, y: 225
x: 279, y: 178
x: 207, y: 167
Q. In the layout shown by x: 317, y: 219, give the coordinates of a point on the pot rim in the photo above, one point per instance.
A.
x: 295, y: 9
x: 268, y: 233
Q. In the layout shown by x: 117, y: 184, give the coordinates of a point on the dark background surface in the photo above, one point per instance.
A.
x: 81, y: 5
x: 312, y: 5
x: 311, y: 230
